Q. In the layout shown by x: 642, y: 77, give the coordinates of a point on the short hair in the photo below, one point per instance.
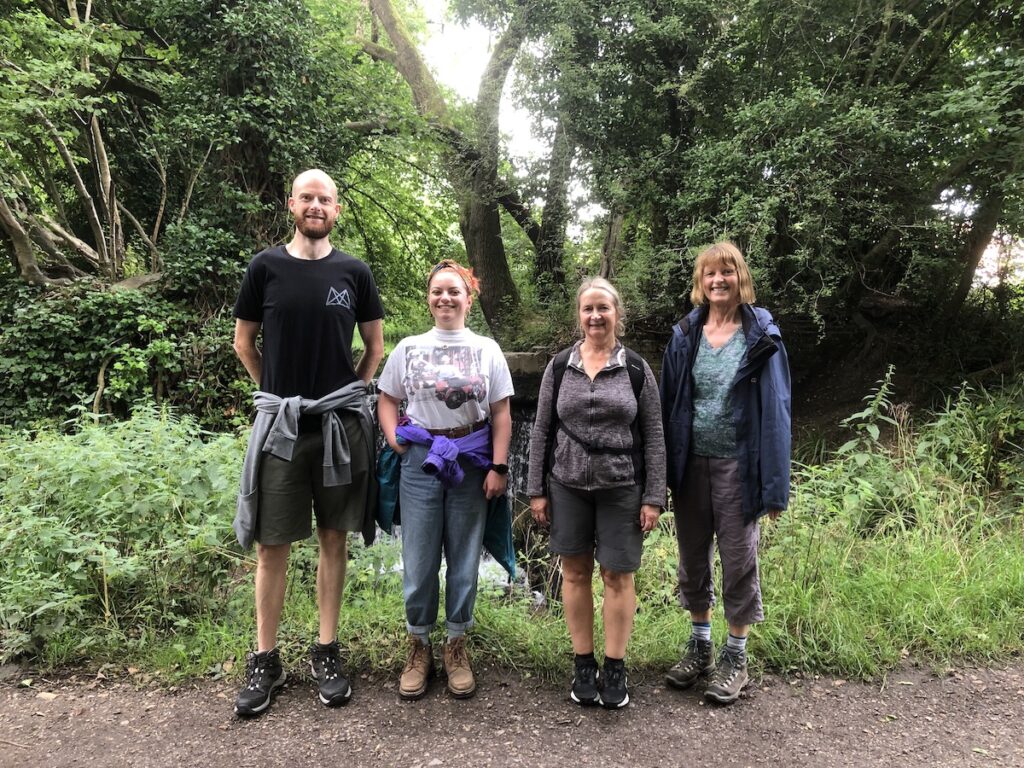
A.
x: 728, y: 254
x: 603, y: 285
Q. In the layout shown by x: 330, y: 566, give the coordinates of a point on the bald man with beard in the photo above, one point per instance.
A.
x: 312, y: 442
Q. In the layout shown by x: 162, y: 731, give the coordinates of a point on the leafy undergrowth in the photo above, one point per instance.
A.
x: 116, y: 547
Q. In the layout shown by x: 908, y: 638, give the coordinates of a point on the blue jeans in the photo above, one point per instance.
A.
x: 432, y: 518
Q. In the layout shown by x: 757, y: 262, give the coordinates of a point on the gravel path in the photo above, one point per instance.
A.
x: 968, y: 717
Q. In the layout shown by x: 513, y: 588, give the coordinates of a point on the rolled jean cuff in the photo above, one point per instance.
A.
x: 420, y: 630
x: 457, y: 628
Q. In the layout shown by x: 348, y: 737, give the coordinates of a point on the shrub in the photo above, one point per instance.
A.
x: 114, y: 529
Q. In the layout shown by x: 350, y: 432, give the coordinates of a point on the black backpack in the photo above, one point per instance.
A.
x: 635, y: 369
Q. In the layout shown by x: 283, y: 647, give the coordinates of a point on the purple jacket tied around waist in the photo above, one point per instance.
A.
x: 443, y: 458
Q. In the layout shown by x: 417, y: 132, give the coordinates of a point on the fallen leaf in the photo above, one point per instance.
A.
x: 46, y: 696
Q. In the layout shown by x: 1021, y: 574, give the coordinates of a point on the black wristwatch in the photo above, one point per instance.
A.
x: 501, y: 469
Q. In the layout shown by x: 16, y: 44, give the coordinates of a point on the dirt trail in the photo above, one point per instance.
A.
x: 969, y: 717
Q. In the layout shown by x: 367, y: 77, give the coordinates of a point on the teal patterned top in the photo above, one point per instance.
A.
x: 714, y: 430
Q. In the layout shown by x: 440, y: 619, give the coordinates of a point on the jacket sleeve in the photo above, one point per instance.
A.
x: 669, y: 377
x: 654, y: 441
x: 535, y: 485
x: 776, y: 430
x: 675, y: 414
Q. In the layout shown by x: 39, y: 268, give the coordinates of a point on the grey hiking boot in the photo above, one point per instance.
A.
x: 263, y: 676
x: 698, y: 661
x: 729, y: 677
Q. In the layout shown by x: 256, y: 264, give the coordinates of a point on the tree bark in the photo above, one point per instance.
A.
x: 410, y: 64
x: 474, y: 175
x: 481, y: 217
x: 983, y: 226
x: 27, y: 264
x: 87, y: 199
x: 612, y: 243
x: 550, y: 271
x: 108, y: 199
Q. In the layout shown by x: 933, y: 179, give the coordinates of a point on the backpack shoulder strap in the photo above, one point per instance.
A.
x: 635, y: 368
x: 558, y: 367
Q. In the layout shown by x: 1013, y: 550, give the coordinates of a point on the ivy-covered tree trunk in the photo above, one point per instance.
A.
x: 550, y: 271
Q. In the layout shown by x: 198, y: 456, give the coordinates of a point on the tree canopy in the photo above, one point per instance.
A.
x: 862, y: 154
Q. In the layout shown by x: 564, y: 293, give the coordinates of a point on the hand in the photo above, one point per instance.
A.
x: 397, y: 447
x: 539, y: 509
x: 494, y: 484
x: 774, y: 514
x: 649, y: 515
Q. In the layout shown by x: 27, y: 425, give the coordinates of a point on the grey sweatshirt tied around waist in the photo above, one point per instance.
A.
x: 275, y: 430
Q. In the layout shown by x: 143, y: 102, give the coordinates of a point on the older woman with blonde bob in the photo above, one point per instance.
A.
x: 725, y: 396
x: 597, y: 475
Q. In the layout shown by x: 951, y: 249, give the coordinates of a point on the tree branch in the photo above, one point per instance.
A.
x: 79, y: 184
x: 377, y: 52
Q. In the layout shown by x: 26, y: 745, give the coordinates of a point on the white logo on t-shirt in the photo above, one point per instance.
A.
x: 335, y: 299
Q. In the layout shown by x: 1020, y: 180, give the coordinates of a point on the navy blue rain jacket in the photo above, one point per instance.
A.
x: 761, y: 405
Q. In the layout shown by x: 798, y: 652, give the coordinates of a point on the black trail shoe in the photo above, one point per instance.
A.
x: 263, y: 675
x: 698, y: 661
x: 729, y: 678
x: 584, y: 685
x: 325, y: 662
x: 614, y: 693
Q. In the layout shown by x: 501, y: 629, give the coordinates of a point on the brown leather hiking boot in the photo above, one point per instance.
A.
x: 461, y: 682
x: 418, y: 669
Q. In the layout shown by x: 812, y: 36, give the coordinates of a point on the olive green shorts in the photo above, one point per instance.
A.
x: 289, y: 489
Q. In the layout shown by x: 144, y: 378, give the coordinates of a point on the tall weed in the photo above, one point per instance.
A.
x: 114, y: 530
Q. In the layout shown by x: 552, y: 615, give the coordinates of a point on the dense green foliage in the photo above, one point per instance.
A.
x: 161, y: 138
x: 863, y: 155
x: 115, y: 544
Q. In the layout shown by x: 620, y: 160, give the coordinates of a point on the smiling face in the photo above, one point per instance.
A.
x: 721, y: 285
x: 597, y: 315
x: 314, y: 204
x: 721, y: 278
x: 449, y: 300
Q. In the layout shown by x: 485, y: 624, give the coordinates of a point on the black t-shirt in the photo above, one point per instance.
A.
x: 308, y: 310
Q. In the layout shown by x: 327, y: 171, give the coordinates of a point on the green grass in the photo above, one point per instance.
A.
x: 116, y: 548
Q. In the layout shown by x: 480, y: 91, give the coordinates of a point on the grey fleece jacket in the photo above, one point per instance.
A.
x: 600, y: 412
x: 275, y: 430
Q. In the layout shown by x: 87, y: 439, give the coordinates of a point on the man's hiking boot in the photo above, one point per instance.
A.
x: 263, y: 676
x: 325, y: 662
x: 614, y: 693
x: 418, y: 670
x: 461, y: 682
x: 584, y: 684
x: 697, y: 662
x: 729, y: 677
